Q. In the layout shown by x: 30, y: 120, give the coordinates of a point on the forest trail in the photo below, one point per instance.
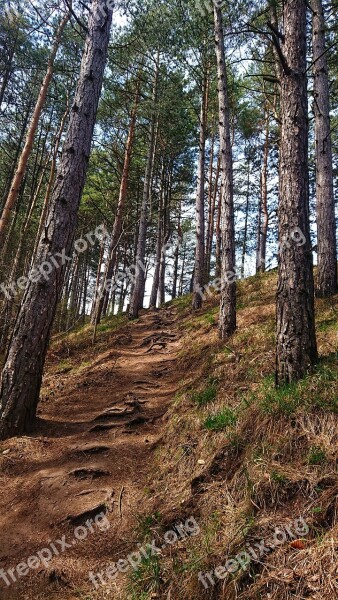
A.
x: 91, y: 452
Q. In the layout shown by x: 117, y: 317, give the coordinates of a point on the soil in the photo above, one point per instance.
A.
x: 91, y: 452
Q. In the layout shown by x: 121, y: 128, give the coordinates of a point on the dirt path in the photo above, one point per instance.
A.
x: 91, y: 453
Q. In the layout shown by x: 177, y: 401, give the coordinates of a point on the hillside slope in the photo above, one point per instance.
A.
x: 181, y: 442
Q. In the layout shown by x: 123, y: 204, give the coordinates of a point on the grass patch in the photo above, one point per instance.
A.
x: 182, y: 302
x: 146, y: 523
x: 314, y: 391
x: 327, y: 324
x: 221, y: 420
x: 278, y: 477
x: 316, y: 456
x: 146, y: 579
x: 64, y: 366
x: 205, y: 396
x: 210, y: 318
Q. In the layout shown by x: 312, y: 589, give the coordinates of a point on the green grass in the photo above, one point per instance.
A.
x: 316, y: 456
x: 205, y: 396
x: 221, y: 420
x: 210, y: 318
x: 278, y: 477
x: 146, y: 524
x: 182, y: 302
x: 327, y: 324
x: 146, y: 579
x: 64, y: 365
x: 316, y: 391
x: 284, y: 399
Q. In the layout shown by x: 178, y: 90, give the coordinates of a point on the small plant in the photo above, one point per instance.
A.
x: 104, y: 327
x: 210, y: 318
x: 146, y: 523
x: 64, y: 366
x: 146, y: 579
x: 221, y: 420
x: 205, y: 396
x: 236, y: 442
x: 316, y: 456
x: 278, y: 477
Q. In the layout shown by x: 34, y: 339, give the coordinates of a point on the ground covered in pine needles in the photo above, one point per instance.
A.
x: 159, y: 423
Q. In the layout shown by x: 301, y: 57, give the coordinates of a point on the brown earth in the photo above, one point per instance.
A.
x: 91, y: 452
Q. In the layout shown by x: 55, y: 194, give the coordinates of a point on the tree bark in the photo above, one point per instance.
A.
x: 227, y: 319
x: 218, y: 239
x: 165, y: 237
x: 136, y: 300
x: 264, y: 213
x: 326, y: 225
x: 296, y: 339
x: 208, y: 243
x: 177, y: 254
x: 22, y: 373
x: 15, y: 159
x: 199, y: 271
x: 211, y: 223
x: 156, y: 278
x: 26, y: 152
x: 246, y: 221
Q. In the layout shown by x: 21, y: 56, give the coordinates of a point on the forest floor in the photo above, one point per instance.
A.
x: 99, y: 422
x: 175, y: 436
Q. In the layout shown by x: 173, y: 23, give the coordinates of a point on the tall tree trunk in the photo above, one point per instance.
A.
x: 326, y: 225
x: 246, y: 221
x: 181, y: 284
x: 264, y: 213
x: 259, y: 233
x: 218, y: 239
x: 86, y: 275
x: 26, y: 152
x: 177, y: 254
x: 159, y: 237
x: 25, y: 226
x: 199, y: 271
x: 166, y: 237
x: 138, y: 290
x: 211, y: 224
x: 227, y: 319
x: 102, y: 301
x: 15, y: 159
x: 296, y: 338
x: 22, y: 373
x: 98, y: 275
x: 210, y: 212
